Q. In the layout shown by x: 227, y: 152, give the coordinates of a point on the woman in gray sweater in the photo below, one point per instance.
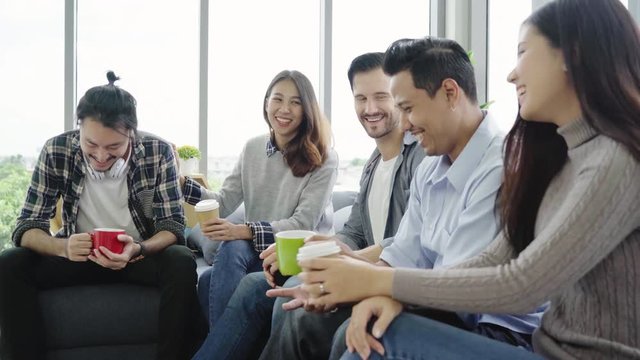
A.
x: 570, y: 207
x: 285, y: 179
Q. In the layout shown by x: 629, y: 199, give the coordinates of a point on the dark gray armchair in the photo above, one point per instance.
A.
x: 118, y: 321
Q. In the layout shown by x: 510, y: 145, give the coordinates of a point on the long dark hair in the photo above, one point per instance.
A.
x: 534, y: 153
x: 309, y: 149
x: 601, y: 47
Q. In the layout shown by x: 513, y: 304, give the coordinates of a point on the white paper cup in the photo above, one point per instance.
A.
x: 207, y: 209
x: 318, y: 249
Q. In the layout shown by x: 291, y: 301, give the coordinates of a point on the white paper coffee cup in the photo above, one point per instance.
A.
x: 318, y: 249
x: 207, y: 209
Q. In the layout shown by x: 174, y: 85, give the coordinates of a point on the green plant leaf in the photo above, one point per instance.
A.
x: 187, y: 152
x: 486, y: 105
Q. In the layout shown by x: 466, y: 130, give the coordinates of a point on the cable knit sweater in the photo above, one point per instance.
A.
x: 585, y: 259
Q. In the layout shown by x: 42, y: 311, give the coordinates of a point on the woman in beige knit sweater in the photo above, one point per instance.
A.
x: 570, y: 207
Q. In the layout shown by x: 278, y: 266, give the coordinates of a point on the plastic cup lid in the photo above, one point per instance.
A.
x: 295, y: 234
x: 319, y: 249
x: 206, y: 205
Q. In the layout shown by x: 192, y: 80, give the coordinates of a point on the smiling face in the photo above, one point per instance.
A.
x: 101, y: 145
x: 430, y: 120
x: 374, y: 104
x: 544, y: 91
x: 284, y: 111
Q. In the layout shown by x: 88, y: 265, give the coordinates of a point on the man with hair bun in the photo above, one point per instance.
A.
x: 108, y: 175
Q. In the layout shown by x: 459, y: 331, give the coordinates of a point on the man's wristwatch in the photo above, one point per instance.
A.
x: 143, y: 250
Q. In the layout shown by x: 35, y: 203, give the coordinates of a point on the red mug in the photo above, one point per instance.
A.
x: 108, y: 238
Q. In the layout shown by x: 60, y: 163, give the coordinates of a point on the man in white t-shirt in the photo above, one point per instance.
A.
x: 375, y: 216
x: 243, y: 327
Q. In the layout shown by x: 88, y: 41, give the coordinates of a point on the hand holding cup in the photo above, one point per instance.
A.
x: 269, y: 264
x: 78, y: 247
x: 112, y: 248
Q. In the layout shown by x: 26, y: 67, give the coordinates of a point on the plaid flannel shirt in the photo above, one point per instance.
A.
x: 154, y: 199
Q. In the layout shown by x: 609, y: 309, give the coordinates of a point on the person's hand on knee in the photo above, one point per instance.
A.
x: 358, y: 338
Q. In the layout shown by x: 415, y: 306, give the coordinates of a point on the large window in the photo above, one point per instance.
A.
x: 153, y: 47
x: 249, y: 43
x: 505, y: 18
x: 361, y: 26
x: 32, y: 73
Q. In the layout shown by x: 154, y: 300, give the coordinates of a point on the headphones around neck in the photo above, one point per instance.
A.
x: 115, y: 172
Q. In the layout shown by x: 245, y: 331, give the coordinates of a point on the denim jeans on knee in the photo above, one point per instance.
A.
x: 244, y: 325
x: 234, y: 260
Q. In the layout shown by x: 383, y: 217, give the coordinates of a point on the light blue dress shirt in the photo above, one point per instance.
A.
x: 452, y: 215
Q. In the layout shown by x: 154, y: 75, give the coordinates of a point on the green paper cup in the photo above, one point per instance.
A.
x: 287, y: 245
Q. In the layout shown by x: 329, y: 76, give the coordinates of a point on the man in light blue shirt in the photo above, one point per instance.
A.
x: 452, y: 214
x: 451, y: 205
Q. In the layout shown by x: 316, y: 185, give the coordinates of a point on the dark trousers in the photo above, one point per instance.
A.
x: 23, y: 273
x: 489, y: 330
x: 299, y: 334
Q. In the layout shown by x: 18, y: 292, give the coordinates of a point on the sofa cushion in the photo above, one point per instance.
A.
x: 340, y: 217
x: 343, y: 199
x: 85, y: 316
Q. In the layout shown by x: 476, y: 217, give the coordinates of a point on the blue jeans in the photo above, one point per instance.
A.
x: 243, y: 328
x: 234, y: 260
x: 413, y: 336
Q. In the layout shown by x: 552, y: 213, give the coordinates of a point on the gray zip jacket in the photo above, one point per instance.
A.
x: 357, y: 232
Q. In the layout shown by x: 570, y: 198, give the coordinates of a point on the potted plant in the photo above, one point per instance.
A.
x: 188, y: 157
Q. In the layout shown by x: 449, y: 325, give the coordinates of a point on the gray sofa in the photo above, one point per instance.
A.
x: 118, y: 321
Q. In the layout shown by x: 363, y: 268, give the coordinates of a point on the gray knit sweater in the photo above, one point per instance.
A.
x: 273, y: 194
x: 585, y: 259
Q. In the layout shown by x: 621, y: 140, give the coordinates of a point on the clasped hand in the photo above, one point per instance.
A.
x: 299, y: 296
x: 78, y: 248
x: 341, y: 280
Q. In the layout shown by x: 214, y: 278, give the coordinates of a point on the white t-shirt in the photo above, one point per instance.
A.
x: 104, y: 203
x: 379, y: 196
